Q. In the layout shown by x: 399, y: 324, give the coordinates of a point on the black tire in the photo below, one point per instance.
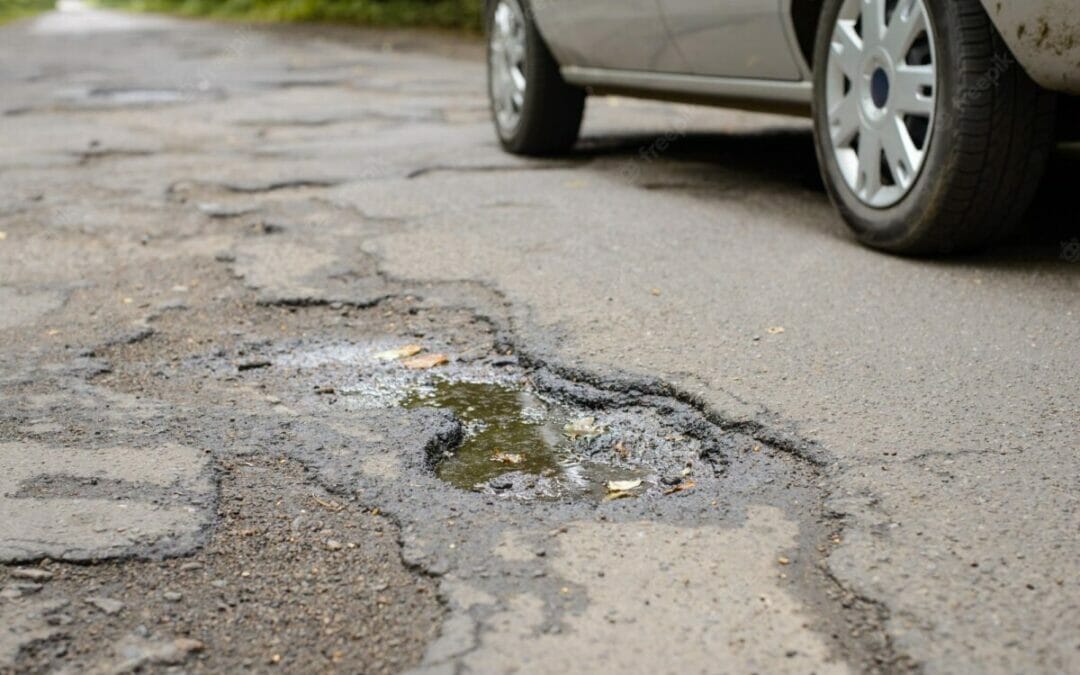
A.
x: 993, y: 133
x: 551, y: 114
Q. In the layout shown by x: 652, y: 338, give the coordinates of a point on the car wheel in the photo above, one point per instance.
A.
x: 535, y: 111
x: 930, y: 136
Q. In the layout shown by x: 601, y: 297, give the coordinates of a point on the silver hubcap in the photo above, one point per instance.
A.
x: 880, y: 91
x: 507, y: 64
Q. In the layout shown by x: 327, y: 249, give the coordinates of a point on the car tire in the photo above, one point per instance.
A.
x: 546, y: 112
x: 986, y: 138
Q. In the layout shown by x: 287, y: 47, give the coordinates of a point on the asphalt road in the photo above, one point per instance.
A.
x: 207, y: 233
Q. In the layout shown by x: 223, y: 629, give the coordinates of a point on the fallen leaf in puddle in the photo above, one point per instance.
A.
x: 622, y: 494
x: 507, y: 457
x: 425, y: 361
x: 399, y: 353
x: 585, y: 427
x: 776, y: 330
x: 681, y: 487
x: 622, y: 485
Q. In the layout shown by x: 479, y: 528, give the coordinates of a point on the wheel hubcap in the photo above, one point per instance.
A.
x: 880, y: 92
x: 506, y: 62
x: 879, y: 88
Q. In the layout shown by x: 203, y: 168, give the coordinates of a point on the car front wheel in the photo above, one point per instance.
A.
x: 930, y: 136
x: 535, y: 111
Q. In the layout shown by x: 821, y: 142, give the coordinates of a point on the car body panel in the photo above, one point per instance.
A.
x: 743, y: 53
x: 619, y: 34
x: 1044, y: 36
x: 741, y: 38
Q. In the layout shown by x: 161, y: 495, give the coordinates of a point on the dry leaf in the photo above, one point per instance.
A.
x: 681, y: 487
x: 776, y: 330
x: 399, y: 353
x: 612, y: 496
x: 507, y: 457
x: 331, y: 506
x: 585, y: 427
x: 622, y: 485
x: 425, y: 361
x: 3, y: 236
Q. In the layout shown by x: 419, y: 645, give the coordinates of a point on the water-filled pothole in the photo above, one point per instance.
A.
x: 516, y: 440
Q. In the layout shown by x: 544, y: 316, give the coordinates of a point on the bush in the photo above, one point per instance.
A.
x: 467, y: 14
x: 13, y: 9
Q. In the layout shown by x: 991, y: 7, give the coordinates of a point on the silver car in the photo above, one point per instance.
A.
x: 933, y: 119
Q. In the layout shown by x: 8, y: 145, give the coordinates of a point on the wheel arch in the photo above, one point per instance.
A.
x: 804, y: 16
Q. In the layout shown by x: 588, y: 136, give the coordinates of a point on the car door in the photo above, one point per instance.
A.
x: 734, y: 38
x: 619, y: 34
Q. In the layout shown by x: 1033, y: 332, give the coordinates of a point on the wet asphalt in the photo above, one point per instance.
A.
x: 212, y: 237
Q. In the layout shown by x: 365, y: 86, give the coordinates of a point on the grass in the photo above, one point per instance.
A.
x: 17, y: 9
x: 455, y: 14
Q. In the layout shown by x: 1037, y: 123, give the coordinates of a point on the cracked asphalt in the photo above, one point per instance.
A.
x: 210, y: 232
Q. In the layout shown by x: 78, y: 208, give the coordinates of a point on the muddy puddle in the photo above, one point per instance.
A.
x: 514, y: 439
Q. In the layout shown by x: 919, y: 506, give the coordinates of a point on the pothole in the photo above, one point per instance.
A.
x: 524, y: 434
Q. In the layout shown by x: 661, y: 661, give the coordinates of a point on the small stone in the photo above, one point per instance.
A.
x: 59, y: 620
x: 173, y: 596
x: 188, y: 645
x: 783, y: 561
x: 333, y: 544
x: 106, y: 605
x: 253, y: 364
x: 31, y: 574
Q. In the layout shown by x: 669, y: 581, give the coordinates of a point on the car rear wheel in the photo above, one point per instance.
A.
x: 930, y: 136
x: 535, y: 111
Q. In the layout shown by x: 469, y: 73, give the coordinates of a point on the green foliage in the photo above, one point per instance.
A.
x: 467, y: 14
x: 14, y: 9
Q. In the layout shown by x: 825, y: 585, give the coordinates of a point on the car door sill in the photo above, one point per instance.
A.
x: 778, y: 96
